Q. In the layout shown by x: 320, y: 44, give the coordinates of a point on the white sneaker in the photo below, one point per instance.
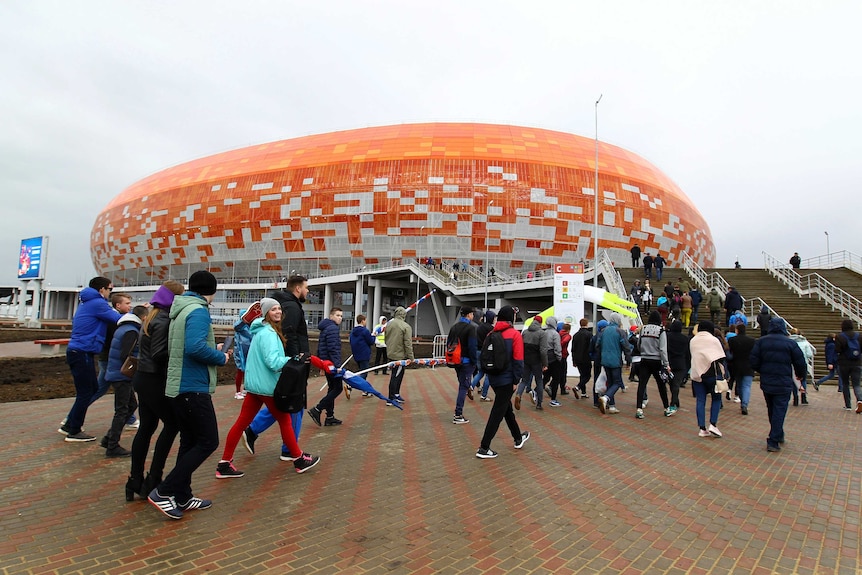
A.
x: 613, y: 409
x: 737, y: 400
x: 646, y: 400
x: 603, y: 403
x: 239, y: 395
x: 703, y: 433
x: 714, y: 430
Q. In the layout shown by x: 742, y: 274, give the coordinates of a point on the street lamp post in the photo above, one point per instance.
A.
x: 596, y: 216
x: 416, y: 317
x: 487, y: 236
x: 828, y: 256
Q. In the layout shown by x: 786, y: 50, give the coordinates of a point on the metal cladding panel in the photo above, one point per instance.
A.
x: 328, y: 196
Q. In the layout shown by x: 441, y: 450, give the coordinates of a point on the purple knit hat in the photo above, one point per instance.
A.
x: 163, y: 298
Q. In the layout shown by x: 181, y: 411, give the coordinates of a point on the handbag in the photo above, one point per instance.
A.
x: 721, y: 385
x: 130, y: 366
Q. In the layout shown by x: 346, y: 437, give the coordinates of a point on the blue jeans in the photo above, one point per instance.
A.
x: 464, y: 372
x: 832, y: 373
x: 776, y: 407
x: 743, y: 389
x: 477, y: 378
x: 615, y: 382
x: 198, y: 427
x: 103, y: 385
x: 658, y: 272
x: 264, y: 420
x: 699, y: 388
x: 83, y: 368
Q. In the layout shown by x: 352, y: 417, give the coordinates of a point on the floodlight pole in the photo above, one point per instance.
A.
x: 487, y: 235
x: 596, y: 217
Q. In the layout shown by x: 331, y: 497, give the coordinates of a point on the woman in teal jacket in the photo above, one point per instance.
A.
x: 264, y: 363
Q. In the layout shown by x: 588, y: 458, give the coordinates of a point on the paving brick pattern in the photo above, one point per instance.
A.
x: 401, y: 492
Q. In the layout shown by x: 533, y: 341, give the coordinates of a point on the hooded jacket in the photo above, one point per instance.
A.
x: 733, y: 301
x: 514, y: 346
x: 777, y: 357
x: 613, y: 342
x: 361, y: 341
x: 91, y: 322
x: 740, y: 349
x: 678, y: 352
x: 763, y: 320
x: 533, y: 339
x: 265, y: 359
x: 713, y: 300
x: 379, y: 332
x: 554, y: 347
x: 831, y: 355
x: 329, y: 343
x: 581, y: 346
x: 399, y: 337
x: 192, y: 355
x: 123, y: 344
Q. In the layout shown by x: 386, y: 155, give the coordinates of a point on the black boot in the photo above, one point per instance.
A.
x: 804, y: 398
x: 135, y: 485
x: 151, y: 482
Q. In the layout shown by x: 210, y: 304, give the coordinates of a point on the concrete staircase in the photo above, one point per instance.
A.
x: 845, y: 278
x: 810, y: 315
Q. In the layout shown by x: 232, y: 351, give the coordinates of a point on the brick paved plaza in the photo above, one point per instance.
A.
x: 402, y: 492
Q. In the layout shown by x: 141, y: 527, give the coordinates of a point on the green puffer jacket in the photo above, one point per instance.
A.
x: 192, y: 355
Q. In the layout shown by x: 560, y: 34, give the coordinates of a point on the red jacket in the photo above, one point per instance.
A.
x: 515, y: 346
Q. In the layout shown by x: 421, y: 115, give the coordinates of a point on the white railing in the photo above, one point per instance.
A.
x: 614, y: 281
x: 751, y: 309
x: 815, y: 285
x: 842, y: 259
x: 704, y: 280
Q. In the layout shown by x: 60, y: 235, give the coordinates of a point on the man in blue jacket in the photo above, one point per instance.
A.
x: 86, y: 341
x: 361, y: 342
x: 777, y: 357
x: 329, y: 349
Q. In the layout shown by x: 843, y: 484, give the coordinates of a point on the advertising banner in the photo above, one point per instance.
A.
x: 31, y: 259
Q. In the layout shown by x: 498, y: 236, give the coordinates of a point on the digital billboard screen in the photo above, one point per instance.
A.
x: 30, y: 259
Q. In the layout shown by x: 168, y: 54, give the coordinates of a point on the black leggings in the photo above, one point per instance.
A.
x: 153, y: 407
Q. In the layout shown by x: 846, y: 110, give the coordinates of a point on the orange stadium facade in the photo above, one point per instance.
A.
x: 344, y: 200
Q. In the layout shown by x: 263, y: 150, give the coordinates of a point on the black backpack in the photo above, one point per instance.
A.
x: 290, y: 390
x: 494, y: 357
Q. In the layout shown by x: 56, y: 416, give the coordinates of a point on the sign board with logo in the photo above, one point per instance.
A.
x: 569, y: 293
x: 31, y: 258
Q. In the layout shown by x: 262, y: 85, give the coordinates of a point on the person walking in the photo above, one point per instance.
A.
x: 733, y: 301
x: 796, y: 261
x: 485, y: 327
x: 504, y: 386
x: 648, y: 263
x: 266, y: 358
x: 679, y: 359
x: 652, y: 342
x: 463, y: 333
x: 361, y: 342
x: 192, y: 360
x: 847, y: 344
x: 89, y: 327
x: 399, y: 347
x: 612, y: 343
x: 123, y: 345
x: 713, y: 304
x: 535, y: 363
x: 379, y: 334
x: 707, y: 357
x: 831, y: 363
x: 295, y: 332
x: 740, y: 353
x: 329, y: 349
x: 636, y: 255
x: 777, y: 358
x: 658, y: 261
x: 153, y: 406
x: 581, y: 355
x: 555, y: 359
x: 808, y: 352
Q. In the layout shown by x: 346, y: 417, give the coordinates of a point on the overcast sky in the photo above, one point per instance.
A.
x: 753, y: 108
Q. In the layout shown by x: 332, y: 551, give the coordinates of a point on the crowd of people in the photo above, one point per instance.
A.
x: 173, y: 376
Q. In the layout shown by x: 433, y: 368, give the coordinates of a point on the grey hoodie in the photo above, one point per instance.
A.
x: 534, y: 335
x: 552, y: 340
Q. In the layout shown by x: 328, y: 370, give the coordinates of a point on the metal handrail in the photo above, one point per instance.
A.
x: 814, y: 284
x: 842, y: 259
x: 701, y: 278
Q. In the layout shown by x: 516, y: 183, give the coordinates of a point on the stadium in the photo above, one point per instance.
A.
x: 511, y: 198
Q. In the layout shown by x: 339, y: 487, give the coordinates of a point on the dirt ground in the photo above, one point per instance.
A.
x: 23, y: 379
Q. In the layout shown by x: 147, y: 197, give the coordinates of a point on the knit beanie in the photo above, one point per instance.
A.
x: 506, y: 313
x: 267, y: 304
x: 202, y: 282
